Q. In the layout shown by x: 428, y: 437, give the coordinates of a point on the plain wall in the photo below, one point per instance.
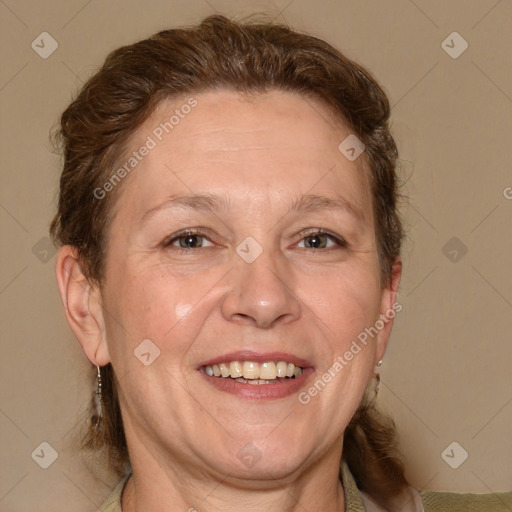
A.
x: 447, y: 374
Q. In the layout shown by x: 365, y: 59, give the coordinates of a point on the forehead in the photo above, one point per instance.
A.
x: 256, y: 145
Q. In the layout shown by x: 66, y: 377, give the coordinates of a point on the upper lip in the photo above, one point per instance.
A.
x: 257, y: 357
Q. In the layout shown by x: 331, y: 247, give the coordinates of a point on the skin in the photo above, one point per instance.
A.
x: 263, y: 152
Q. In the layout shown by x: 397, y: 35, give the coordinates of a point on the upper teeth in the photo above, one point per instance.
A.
x: 251, y: 370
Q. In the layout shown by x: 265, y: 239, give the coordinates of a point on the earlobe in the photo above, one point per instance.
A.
x: 82, y: 304
x: 390, y: 307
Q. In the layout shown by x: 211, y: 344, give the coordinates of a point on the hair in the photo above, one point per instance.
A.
x: 248, y: 57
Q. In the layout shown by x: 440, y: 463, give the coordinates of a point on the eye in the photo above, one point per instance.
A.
x: 188, y: 240
x: 321, y: 240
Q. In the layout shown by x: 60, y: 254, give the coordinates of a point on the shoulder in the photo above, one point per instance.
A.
x: 453, y: 502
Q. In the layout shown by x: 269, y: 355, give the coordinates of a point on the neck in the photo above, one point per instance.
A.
x: 168, y: 487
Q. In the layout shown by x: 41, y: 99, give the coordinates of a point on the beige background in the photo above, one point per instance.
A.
x: 447, y: 375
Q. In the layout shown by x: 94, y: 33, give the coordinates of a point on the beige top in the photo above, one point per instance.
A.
x: 413, y: 500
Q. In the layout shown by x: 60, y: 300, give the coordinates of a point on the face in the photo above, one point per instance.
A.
x: 243, y: 243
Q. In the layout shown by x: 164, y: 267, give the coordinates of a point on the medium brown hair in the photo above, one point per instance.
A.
x: 250, y: 57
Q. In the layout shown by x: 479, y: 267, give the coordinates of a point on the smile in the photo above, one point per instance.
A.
x: 251, y: 372
x: 256, y: 376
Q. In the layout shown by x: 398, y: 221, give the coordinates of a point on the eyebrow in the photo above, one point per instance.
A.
x: 220, y: 202
x: 314, y: 202
x: 200, y: 202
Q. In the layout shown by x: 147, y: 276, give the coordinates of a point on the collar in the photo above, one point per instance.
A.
x: 358, y: 501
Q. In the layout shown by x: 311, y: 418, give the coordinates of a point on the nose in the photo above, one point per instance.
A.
x: 261, y: 294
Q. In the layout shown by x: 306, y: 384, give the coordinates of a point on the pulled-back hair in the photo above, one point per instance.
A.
x: 252, y: 58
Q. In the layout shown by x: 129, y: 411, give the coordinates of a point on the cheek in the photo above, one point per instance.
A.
x: 343, y: 305
x: 152, y: 303
x: 182, y: 309
x: 345, y: 301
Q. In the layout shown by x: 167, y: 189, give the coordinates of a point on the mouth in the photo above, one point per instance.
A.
x: 257, y: 376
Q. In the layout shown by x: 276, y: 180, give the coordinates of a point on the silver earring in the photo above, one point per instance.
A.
x: 377, y: 380
x: 97, y: 394
x: 372, y: 389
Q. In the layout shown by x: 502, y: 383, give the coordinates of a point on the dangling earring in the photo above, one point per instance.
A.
x: 377, y: 379
x: 97, y: 398
x: 373, y: 387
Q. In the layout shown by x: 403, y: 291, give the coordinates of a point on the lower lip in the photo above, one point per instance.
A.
x: 259, y: 391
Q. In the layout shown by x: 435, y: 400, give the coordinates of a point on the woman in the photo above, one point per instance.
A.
x: 230, y: 259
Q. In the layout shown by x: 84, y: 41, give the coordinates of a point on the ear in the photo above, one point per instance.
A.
x: 83, y: 306
x: 389, y: 308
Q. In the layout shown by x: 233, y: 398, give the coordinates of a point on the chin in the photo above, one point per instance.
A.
x: 270, y: 456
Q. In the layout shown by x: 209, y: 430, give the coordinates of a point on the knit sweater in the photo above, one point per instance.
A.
x: 414, y: 500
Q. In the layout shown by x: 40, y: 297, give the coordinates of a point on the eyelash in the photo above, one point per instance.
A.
x: 183, y: 234
x: 340, y: 242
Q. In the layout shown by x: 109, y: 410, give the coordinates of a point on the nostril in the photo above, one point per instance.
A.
x: 244, y: 319
x: 241, y: 316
